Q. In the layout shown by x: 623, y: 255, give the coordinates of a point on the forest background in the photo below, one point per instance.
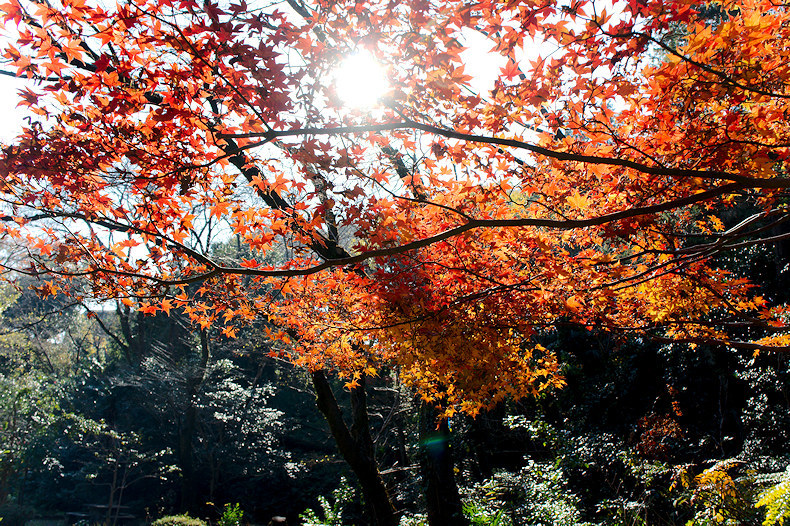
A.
x: 232, y: 291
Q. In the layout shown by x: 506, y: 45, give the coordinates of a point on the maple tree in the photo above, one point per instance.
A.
x: 437, y: 233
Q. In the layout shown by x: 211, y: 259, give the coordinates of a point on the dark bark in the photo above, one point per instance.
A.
x: 355, y: 443
x: 442, y: 500
x: 356, y: 446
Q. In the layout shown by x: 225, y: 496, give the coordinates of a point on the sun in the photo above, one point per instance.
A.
x: 360, y: 81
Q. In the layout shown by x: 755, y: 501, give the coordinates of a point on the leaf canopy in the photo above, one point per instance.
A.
x: 439, y: 232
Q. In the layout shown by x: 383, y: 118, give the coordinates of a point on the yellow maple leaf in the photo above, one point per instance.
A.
x: 578, y: 201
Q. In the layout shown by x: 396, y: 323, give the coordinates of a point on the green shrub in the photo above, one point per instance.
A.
x: 179, y: 520
x: 537, y: 494
x: 482, y: 516
x: 332, y: 513
x: 231, y: 515
x: 776, y: 498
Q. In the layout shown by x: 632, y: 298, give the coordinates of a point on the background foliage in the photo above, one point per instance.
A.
x: 561, y: 300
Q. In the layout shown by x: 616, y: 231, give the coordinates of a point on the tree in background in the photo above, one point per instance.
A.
x: 173, y: 429
x: 441, y: 232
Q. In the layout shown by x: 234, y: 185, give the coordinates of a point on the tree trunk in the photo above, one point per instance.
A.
x: 436, y: 462
x: 356, y: 446
x: 111, y: 499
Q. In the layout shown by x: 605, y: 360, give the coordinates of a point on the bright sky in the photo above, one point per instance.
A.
x: 480, y: 63
x: 10, y: 115
x: 359, y: 82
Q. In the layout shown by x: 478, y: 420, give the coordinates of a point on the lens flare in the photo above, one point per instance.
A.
x: 360, y: 80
